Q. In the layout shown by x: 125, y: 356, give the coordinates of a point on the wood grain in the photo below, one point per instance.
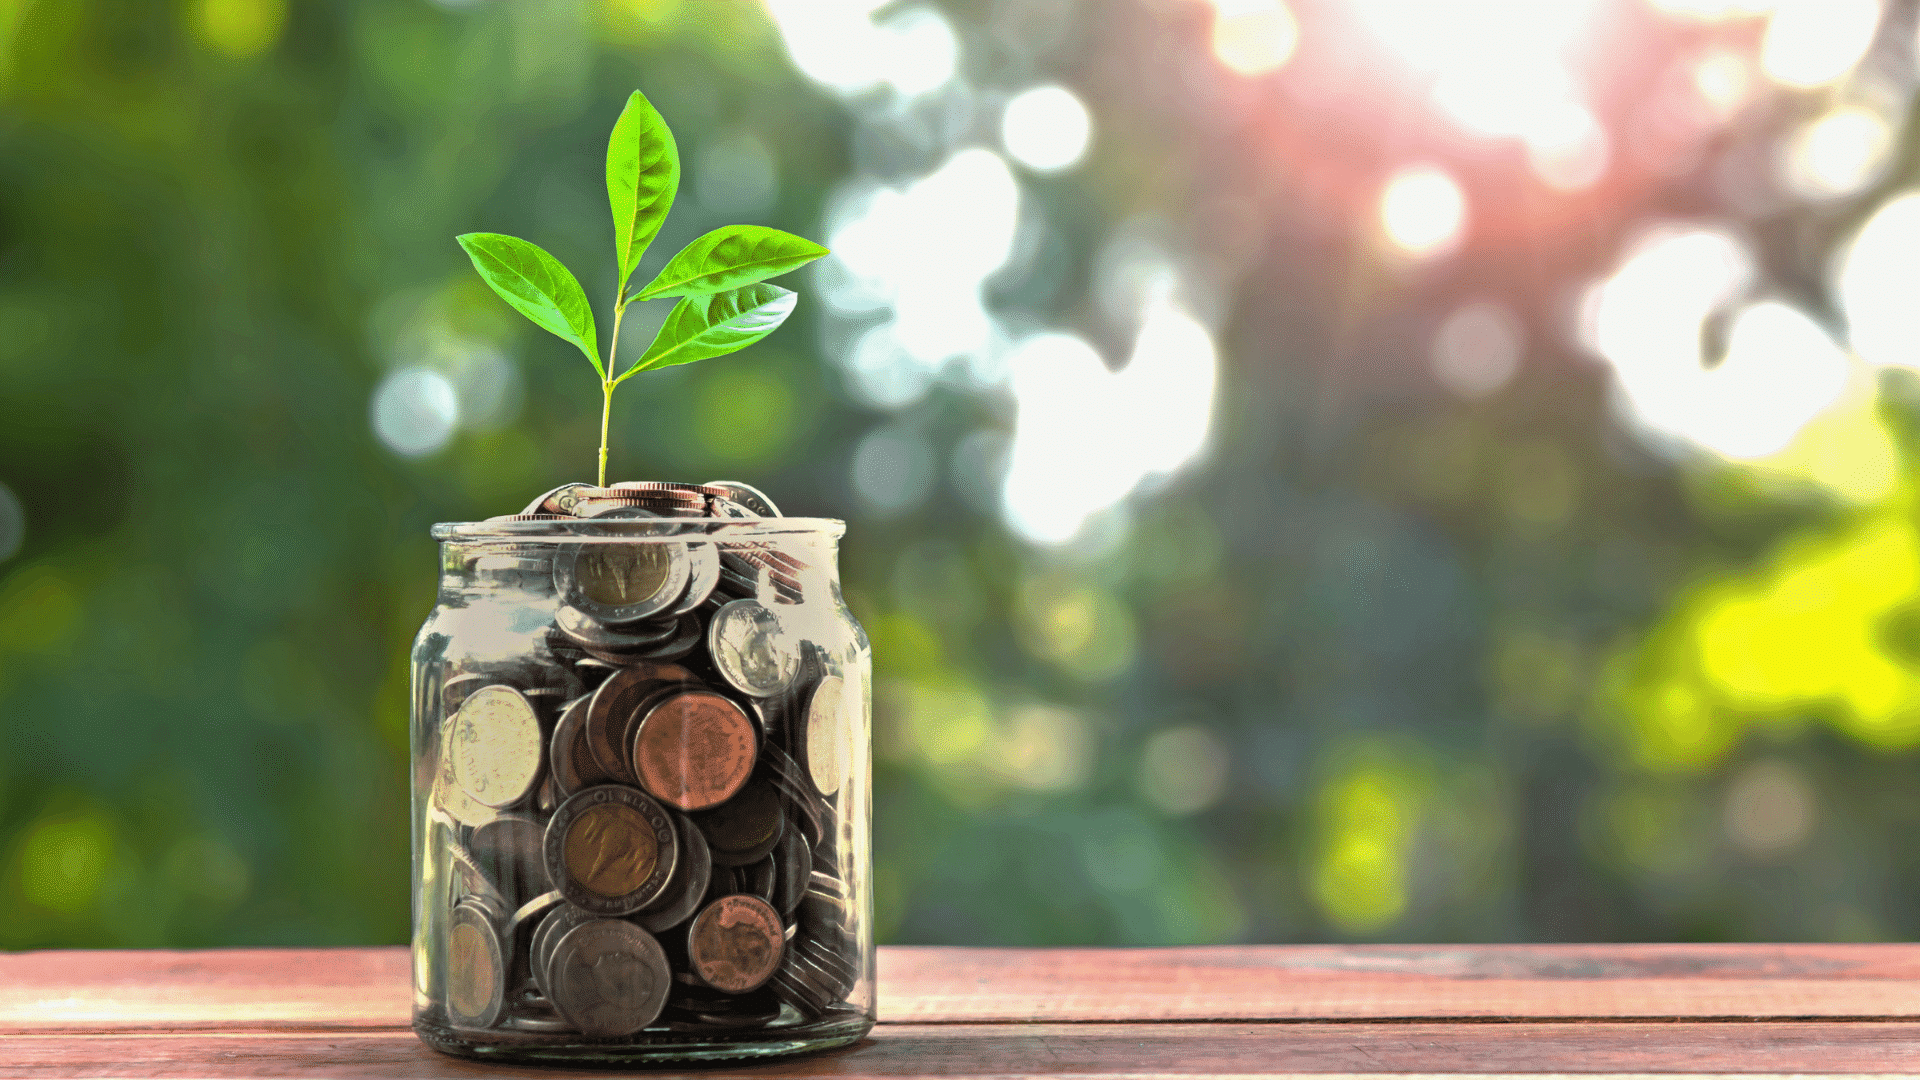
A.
x: 1080, y: 1050
x: 1255, y: 1011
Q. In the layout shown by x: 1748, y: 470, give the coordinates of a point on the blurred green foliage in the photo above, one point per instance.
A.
x: 1382, y: 665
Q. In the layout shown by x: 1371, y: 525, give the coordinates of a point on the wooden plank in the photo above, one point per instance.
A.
x: 1261, y: 982
x: 1077, y: 1050
x: 110, y: 989
x: 344, y: 989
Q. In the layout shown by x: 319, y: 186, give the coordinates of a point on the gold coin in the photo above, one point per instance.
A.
x: 470, y: 974
x: 611, y: 850
x: 616, y: 575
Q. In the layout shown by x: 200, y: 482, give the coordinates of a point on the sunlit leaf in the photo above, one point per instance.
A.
x: 703, y: 327
x: 730, y: 257
x: 537, y: 286
x: 643, y: 173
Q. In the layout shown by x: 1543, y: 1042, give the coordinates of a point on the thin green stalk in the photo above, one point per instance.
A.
x: 607, y: 382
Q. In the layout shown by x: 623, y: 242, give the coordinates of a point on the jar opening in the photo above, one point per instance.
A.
x: 561, y: 530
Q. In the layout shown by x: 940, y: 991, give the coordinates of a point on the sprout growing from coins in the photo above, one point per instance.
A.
x: 720, y: 279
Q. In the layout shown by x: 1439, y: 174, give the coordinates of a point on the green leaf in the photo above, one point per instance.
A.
x: 643, y: 173
x: 703, y: 327
x: 537, y: 286
x: 730, y: 257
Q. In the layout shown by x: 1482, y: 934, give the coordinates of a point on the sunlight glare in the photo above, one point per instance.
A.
x: 1422, y: 211
x: 1046, y: 128
x: 967, y: 210
x: 1084, y: 436
x: 1838, y: 154
x: 1724, y: 80
x: 1877, y: 278
x: 1780, y: 372
x: 1714, y: 9
x: 838, y: 44
x: 1253, y: 37
x: 1569, y: 150
x: 1812, y: 42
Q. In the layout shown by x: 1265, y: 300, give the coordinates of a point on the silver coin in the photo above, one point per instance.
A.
x: 476, y: 968
x: 610, y: 977
x: 748, y: 646
x: 592, y: 634
x: 495, y: 742
x: 828, y: 746
x: 689, y: 887
x: 540, y: 953
x: 747, y: 496
x: 703, y: 573
x: 793, y: 866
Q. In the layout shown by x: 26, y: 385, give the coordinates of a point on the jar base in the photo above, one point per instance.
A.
x: 662, y: 1046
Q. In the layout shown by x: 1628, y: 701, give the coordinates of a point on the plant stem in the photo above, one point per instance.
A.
x: 606, y: 384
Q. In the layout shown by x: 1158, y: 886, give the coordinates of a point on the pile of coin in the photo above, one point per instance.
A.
x: 640, y: 813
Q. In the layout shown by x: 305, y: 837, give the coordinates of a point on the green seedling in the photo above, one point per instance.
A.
x: 720, y: 279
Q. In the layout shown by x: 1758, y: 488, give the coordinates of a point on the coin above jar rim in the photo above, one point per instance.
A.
x: 736, y: 943
x: 694, y: 749
x: 610, y: 849
x: 609, y: 977
x: 495, y: 741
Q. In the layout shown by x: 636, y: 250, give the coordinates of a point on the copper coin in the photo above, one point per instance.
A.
x: 736, y: 944
x: 694, y: 750
x: 611, y: 849
x: 746, y: 827
x: 611, y: 716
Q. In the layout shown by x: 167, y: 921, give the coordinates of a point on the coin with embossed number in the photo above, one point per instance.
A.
x: 736, y: 943
x: 495, y: 743
x: 609, y: 977
x: 610, y: 849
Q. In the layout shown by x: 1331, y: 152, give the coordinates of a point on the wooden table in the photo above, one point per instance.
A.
x: 1266, y: 1011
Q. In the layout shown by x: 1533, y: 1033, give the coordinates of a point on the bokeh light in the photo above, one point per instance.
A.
x: 1254, y: 37
x: 1838, y: 154
x: 1046, y: 128
x: 1813, y: 42
x: 1423, y: 211
x: 1877, y: 275
x: 1477, y: 349
x: 415, y: 411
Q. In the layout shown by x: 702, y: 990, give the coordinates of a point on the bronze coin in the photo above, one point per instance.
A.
x: 736, y: 944
x: 746, y: 827
x: 694, y: 749
x: 611, y: 849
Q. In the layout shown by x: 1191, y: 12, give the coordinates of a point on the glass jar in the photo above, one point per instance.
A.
x: 641, y: 792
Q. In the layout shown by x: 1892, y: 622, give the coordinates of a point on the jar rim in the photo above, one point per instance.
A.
x: 576, y: 530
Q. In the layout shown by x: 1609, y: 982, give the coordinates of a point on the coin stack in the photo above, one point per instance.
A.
x: 640, y: 814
